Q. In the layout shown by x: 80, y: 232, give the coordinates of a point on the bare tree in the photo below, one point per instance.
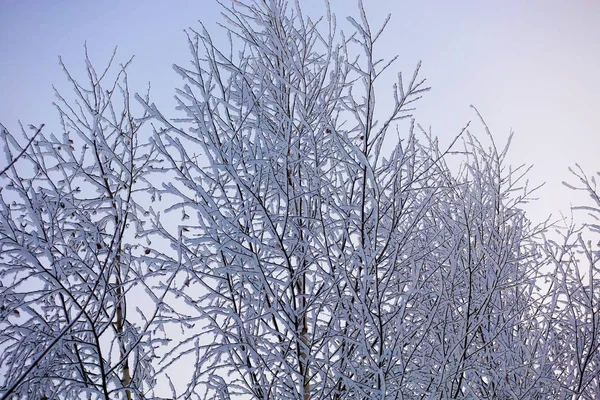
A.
x: 326, y: 254
x: 574, y: 350
x: 283, y: 238
x: 69, y: 209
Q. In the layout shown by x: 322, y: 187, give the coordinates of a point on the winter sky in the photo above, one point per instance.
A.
x: 529, y: 66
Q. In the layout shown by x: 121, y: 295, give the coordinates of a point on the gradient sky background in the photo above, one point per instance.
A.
x: 530, y: 66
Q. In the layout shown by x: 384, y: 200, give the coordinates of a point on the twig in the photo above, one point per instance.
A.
x: 23, y: 151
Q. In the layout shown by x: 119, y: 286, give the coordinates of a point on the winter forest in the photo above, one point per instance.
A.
x: 288, y: 232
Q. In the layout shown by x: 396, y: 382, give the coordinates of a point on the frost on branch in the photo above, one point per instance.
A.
x: 292, y: 234
x: 68, y: 210
x: 332, y: 256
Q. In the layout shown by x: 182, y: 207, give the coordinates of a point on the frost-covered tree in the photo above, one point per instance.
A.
x: 574, y: 343
x: 292, y: 234
x: 329, y: 249
x: 69, y: 208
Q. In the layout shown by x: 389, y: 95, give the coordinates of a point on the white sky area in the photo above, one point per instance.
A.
x: 530, y: 66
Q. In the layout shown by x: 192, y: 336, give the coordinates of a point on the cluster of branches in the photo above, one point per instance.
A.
x: 283, y: 239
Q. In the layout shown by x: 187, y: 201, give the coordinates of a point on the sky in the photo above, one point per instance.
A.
x: 530, y: 67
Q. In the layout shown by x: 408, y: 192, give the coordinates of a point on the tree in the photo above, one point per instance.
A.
x: 328, y: 266
x: 575, y: 345
x: 293, y: 241
x: 69, y: 262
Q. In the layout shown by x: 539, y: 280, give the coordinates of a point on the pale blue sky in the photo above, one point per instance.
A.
x: 527, y: 65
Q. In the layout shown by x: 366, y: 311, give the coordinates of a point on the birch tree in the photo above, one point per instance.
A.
x: 70, y: 206
x: 328, y: 254
x: 574, y: 350
x: 293, y: 233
